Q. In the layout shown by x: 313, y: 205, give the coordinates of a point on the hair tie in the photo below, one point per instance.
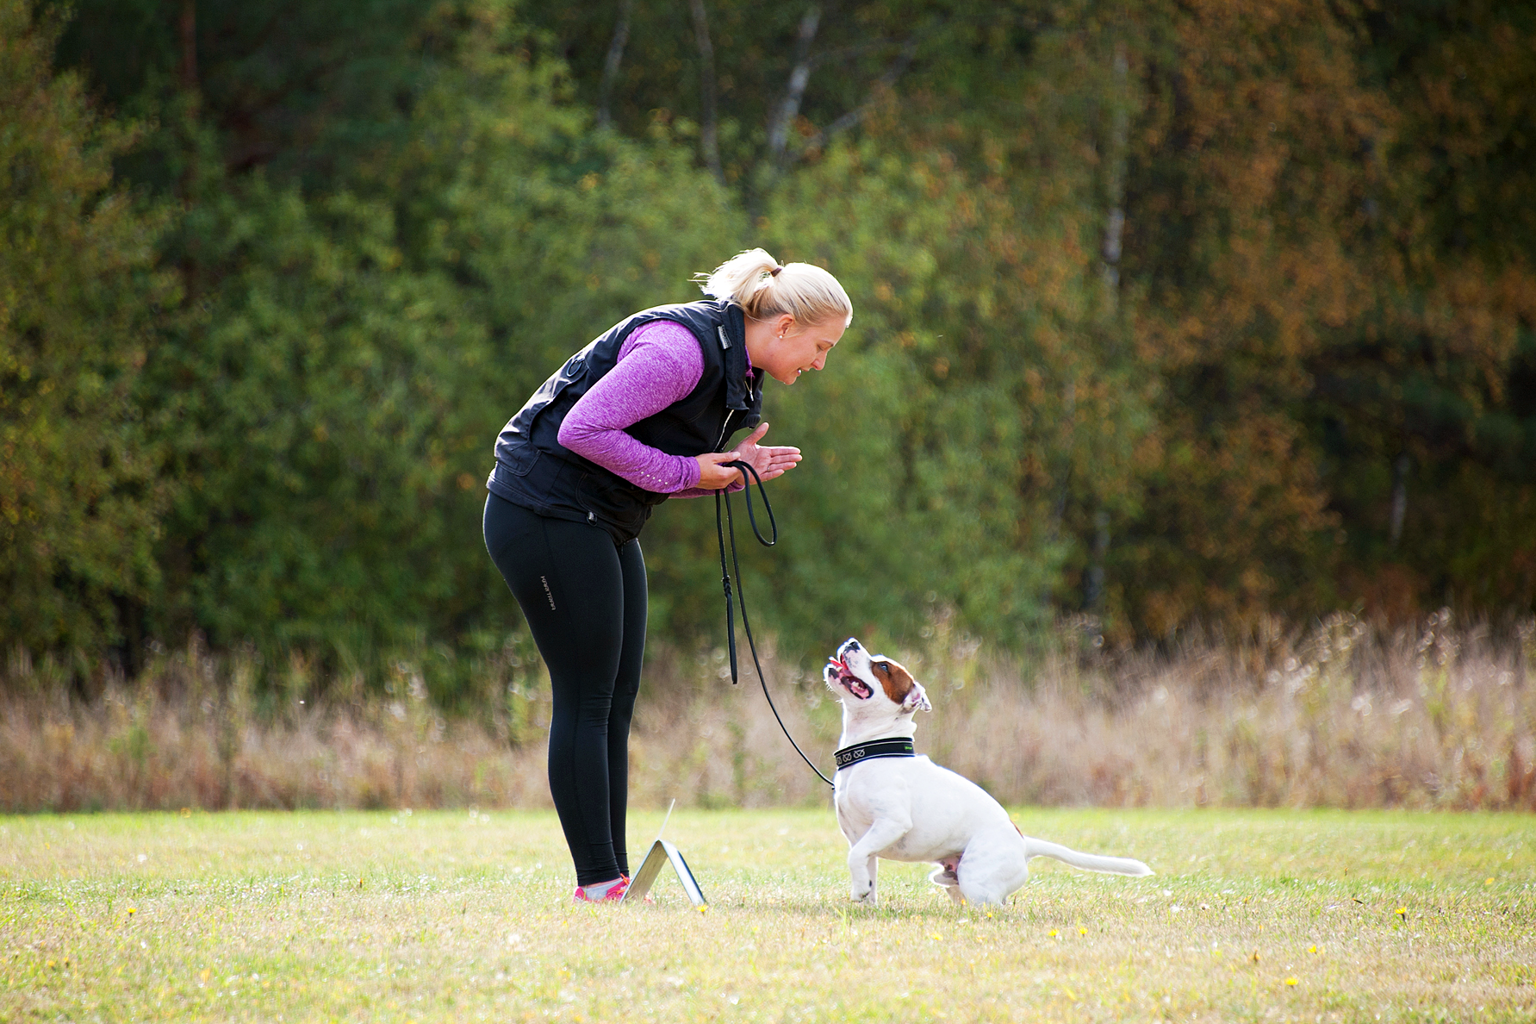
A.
x: 775, y: 271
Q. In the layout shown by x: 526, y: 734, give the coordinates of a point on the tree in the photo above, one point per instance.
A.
x: 1242, y: 191
x: 79, y: 298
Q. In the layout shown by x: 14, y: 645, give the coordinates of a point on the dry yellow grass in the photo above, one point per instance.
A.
x: 1253, y: 915
x: 1339, y: 716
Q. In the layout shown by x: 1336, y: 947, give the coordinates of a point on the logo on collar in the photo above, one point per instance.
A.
x: 871, y: 750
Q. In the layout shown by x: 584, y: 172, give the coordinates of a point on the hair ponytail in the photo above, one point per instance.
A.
x: 763, y: 288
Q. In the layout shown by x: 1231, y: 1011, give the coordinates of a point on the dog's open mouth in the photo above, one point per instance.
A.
x: 848, y: 681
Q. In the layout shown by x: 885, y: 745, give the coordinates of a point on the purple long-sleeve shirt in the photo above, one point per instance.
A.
x: 657, y: 365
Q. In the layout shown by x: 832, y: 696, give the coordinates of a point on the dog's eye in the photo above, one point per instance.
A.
x: 882, y: 666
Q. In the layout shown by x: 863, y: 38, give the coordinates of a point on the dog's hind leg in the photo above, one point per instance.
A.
x: 946, y: 876
x: 993, y: 866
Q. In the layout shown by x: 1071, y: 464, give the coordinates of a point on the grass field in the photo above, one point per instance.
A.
x: 1253, y: 915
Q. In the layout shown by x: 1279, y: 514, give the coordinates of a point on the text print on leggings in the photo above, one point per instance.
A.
x: 545, y: 580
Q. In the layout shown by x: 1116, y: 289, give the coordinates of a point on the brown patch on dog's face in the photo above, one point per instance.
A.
x: 893, y: 677
x: 853, y: 671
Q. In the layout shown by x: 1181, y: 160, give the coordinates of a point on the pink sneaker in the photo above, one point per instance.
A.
x: 613, y: 895
x: 647, y: 895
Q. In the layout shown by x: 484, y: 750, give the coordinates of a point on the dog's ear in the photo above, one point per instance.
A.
x: 904, y: 691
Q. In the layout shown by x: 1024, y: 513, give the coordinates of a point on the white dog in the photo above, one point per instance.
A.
x: 895, y: 805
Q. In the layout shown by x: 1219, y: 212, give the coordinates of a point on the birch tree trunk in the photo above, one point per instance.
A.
x: 611, y: 65
x: 1400, y: 468
x: 187, y: 33
x: 778, y: 128
x: 1116, y: 143
x: 708, y: 116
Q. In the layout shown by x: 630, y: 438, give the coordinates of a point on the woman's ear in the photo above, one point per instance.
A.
x: 783, y: 324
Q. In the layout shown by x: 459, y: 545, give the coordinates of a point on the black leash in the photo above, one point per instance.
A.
x: 725, y: 581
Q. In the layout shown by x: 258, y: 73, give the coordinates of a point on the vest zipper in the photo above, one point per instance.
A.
x: 725, y: 430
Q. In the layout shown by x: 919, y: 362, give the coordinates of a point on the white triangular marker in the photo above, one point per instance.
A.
x: 663, y: 852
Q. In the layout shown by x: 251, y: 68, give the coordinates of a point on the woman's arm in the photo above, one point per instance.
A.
x: 658, y: 364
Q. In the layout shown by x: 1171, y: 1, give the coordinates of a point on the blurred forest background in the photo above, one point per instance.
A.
x: 1166, y: 314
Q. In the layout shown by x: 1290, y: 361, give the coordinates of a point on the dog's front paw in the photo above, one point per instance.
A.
x: 864, y: 895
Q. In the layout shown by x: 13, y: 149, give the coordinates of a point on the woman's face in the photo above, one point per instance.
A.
x: 791, y: 349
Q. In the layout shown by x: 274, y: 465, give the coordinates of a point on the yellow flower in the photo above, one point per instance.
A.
x: 1488, y: 881
x: 1311, y: 949
x: 1051, y: 934
x: 1402, y: 912
x: 1082, y: 931
x: 1293, y: 981
x: 133, y: 910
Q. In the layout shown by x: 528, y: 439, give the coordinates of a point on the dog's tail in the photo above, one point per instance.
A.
x: 1086, y: 861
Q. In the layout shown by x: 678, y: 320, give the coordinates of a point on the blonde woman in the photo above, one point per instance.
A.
x: 642, y: 414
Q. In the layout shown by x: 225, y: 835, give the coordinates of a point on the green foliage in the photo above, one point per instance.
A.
x: 362, y: 348
x: 317, y: 420
x: 79, y: 495
x: 257, y: 402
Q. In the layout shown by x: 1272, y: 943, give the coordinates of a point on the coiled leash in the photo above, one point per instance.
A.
x: 725, y: 582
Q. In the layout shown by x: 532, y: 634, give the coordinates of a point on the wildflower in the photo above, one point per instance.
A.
x: 1488, y: 881
x: 1293, y: 981
x: 1051, y: 934
x: 1311, y: 949
x: 1402, y: 912
x: 1081, y: 930
x: 132, y: 911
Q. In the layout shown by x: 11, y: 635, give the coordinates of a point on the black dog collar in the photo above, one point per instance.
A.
x: 872, y: 749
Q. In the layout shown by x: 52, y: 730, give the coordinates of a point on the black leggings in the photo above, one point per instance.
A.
x: 584, y: 598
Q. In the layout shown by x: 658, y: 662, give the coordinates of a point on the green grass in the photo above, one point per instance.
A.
x: 462, y: 916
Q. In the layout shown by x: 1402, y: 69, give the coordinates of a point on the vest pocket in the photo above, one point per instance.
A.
x: 520, y: 461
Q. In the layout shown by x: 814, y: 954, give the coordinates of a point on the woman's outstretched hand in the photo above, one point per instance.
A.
x: 769, y: 461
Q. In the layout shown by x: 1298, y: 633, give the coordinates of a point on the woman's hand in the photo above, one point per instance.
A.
x: 769, y: 461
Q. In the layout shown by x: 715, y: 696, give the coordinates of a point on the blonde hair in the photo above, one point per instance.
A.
x: 757, y: 283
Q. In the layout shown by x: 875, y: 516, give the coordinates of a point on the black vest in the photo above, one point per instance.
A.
x: 537, y: 472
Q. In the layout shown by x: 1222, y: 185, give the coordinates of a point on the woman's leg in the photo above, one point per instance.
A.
x: 631, y: 655
x: 570, y: 582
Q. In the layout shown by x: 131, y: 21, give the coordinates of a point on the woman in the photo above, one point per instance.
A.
x: 641, y: 414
